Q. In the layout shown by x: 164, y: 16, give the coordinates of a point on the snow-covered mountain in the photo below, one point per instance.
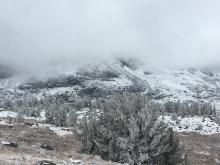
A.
x: 118, y: 75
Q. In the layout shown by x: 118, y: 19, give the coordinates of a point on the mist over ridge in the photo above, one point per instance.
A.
x: 35, y: 34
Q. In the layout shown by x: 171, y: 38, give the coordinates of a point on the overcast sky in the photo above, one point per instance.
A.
x: 171, y: 32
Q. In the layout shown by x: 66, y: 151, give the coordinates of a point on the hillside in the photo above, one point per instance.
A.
x: 115, y: 76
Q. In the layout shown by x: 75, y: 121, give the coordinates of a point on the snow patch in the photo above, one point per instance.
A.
x: 4, y: 114
x: 42, y: 117
x: 202, y: 125
x: 76, y: 161
x: 217, y: 161
x: 5, y: 142
x: 85, y: 113
x: 60, y: 131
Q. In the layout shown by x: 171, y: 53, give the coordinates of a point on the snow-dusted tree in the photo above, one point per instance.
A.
x: 20, y: 117
x: 205, y: 109
x: 128, y: 131
x: 214, y: 110
x: 49, y: 113
x: 83, y: 102
x: 56, y: 113
x: 72, y: 118
x: 169, y: 108
x: 189, y: 108
x: 60, y: 117
x: 194, y: 108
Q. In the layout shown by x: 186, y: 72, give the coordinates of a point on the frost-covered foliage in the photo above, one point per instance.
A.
x: 128, y: 131
x: 190, y: 108
x: 60, y: 113
x: 56, y: 114
x: 28, y: 105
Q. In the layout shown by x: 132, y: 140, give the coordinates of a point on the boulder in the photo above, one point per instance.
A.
x: 9, y: 143
x: 45, y: 162
x: 46, y: 147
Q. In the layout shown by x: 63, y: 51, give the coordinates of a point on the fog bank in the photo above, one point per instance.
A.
x: 35, y: 33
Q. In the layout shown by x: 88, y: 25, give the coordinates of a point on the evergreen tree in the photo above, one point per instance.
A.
x: 128, y: 131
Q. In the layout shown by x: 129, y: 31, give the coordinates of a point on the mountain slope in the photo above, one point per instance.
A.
x: 103, y: 79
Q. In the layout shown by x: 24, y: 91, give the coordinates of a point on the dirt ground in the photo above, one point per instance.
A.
x: 30, y: 139
x: 201, y: 149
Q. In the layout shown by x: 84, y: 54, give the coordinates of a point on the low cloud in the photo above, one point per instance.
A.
x: 169, y: 32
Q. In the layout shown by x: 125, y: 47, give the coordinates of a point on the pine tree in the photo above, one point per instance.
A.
x: 128, y: 131
x: 72, y: 118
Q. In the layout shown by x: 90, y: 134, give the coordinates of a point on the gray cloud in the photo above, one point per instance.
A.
x: 170, y: 32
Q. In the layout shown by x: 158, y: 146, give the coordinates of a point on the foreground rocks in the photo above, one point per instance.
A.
x: 9, y: 143
x: 45, y: 162
x: 47, y: 147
